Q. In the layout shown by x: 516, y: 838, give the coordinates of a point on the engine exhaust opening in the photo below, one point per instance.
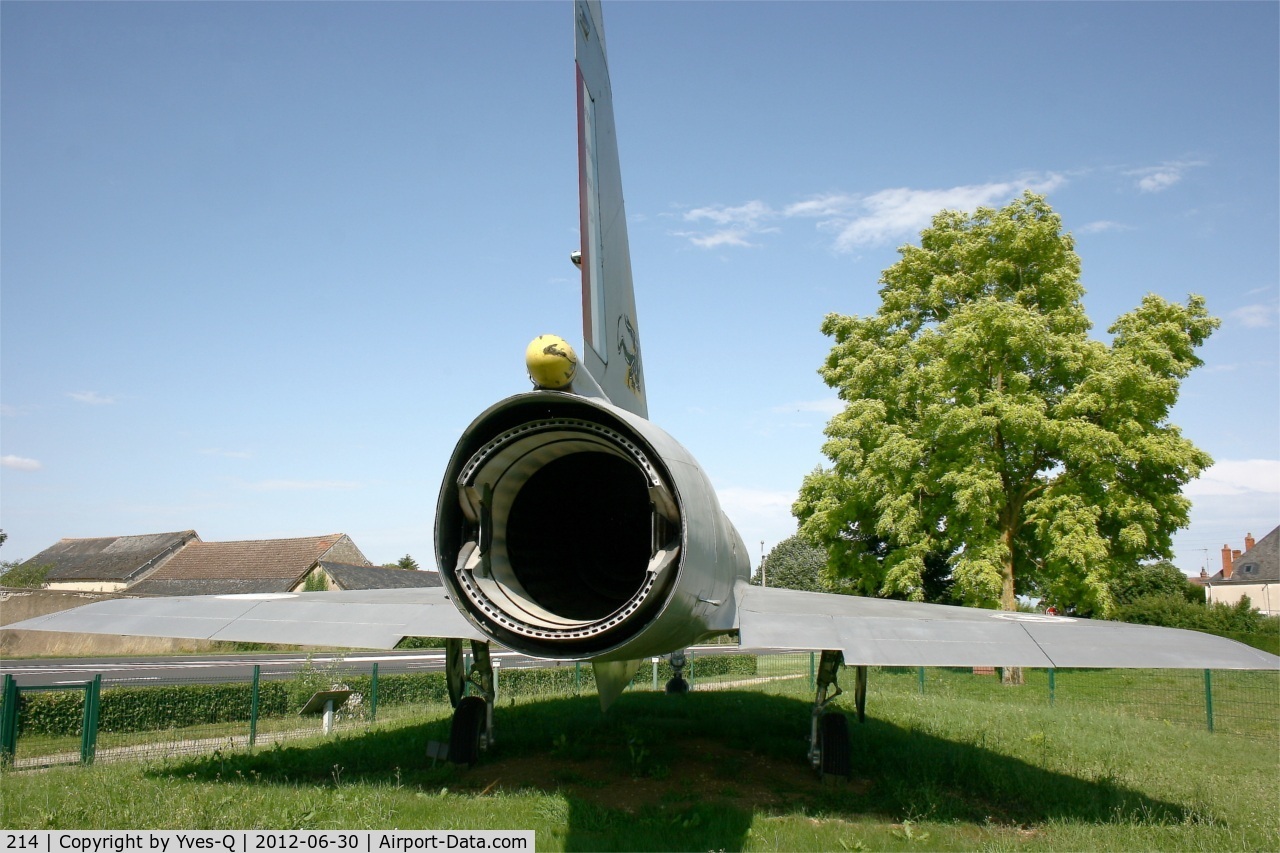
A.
x: 578, y: 536
x: 568, y: 531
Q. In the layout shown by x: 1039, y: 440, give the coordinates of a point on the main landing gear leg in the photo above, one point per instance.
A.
x: 829, y: 730
x: 472, y: 728
x: 677, y: 684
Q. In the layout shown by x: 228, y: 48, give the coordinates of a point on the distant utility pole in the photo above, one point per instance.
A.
x: 764, y: 581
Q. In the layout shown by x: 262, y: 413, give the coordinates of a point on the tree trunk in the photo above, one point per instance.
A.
x: 1011, y: 675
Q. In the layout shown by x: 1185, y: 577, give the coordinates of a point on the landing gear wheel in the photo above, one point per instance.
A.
x: 833, y: 746
x: 464, y: 735
x: 455, y: 673
x: 677, y: 685
x: 860, y: 693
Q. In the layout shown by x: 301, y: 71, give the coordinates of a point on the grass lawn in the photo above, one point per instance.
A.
x: 722, y: 770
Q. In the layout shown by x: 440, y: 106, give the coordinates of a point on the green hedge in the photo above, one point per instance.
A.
x: 702, y: 666
x: 1268, y: 642
x: 139, y: 709
x: 419, y: 688
x: 56, y: 712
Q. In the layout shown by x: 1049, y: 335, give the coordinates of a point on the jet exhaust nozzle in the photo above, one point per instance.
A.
x: 559, y: 529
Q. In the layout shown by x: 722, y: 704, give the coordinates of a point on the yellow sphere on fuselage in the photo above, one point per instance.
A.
x: 551, y: 362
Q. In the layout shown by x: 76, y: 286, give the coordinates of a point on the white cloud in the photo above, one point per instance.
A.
x: 302, y: 486
x: 832, y: 204
x: 91, y: 398
x: 1235, y: 477
x: 738, y: 224
x: 1158, y: 181
x: 902, y: 212
x: 1154, y: 179
x: 744, y: 214
x: 856, y: 220
x: 1258, y: 316
x: 1100, y: 226
x: 716, y: 239
x: 20, y: 463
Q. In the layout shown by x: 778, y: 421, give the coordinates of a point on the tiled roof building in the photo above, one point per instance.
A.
x: 1255, y: 573
x: 254, y: 566
x: 182, y: 564
x: 109, y: 563
x: 347, y: 576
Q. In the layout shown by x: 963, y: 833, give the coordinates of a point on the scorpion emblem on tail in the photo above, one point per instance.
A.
x: 629, y: 347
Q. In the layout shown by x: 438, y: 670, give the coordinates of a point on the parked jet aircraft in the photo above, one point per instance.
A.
x: 570, y: 527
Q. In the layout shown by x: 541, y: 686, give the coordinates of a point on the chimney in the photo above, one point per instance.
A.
x: 1226, y: 562
x: 1203, y: 572
x: 1248, y: 542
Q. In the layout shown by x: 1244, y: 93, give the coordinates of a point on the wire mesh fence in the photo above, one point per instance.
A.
x: 1224, y: 701
x: 133, y: 720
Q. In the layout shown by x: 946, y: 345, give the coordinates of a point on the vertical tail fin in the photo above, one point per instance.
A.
x: 611, y: 351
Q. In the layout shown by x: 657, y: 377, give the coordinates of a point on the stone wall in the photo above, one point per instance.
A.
x: 19, y: 604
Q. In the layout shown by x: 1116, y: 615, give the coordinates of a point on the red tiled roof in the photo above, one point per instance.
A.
x: 252, y: 560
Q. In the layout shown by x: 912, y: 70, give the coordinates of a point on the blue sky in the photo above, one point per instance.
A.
x: 262, y: 263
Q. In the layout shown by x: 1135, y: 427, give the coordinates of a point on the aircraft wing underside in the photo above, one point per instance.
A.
x: 366, y: 619
x: 879, y: 632
x: 869, y: 631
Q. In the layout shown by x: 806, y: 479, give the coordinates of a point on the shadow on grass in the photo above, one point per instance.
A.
x: 685, y: 772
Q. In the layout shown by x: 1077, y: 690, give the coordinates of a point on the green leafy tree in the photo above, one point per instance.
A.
x: 794, y: 564
x: 1162, y: 577
x: 317, y: 581
x: 984, y: 427
x: 406, y: 562
x: 22, y: 575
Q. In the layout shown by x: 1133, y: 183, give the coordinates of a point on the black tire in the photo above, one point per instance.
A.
x: 833, y: 746
x: 455, y: 675
x: 677, y: 685
x: 464, y: 734
x: 860, y: 693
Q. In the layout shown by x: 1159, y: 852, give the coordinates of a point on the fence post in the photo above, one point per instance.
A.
x: 1208, y: 698
x: 655, y: 673
x: 577, y: 677
x: 253, y: 706
x: 9, y: 720
x: 373, y: 694
x: 1051, y: 687
x: 920, y: 677
x: 813, y: 684
x: 89, y: 731
x: 690, y: 669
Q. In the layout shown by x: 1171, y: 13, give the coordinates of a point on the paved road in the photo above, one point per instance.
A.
x: 207, y: 669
